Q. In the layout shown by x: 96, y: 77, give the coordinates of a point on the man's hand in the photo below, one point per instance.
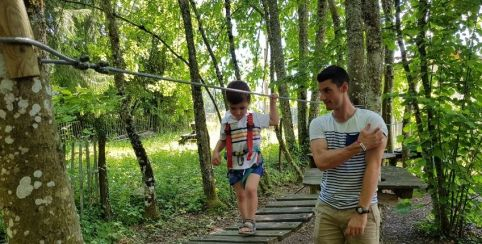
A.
x: 356, y: 225
x: 216, y: 158
x: 370, y: 138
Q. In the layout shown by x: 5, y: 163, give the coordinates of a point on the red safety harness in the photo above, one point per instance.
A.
x: 229, y: 140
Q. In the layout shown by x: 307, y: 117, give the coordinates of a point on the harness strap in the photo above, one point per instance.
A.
x: 249, y: 137
x: 229, y: 145
x: 229, y: 141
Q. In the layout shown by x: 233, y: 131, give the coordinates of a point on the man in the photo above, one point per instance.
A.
x: 347, y: 144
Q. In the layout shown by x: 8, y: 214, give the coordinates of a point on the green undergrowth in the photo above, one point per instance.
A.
x: 180, y: 196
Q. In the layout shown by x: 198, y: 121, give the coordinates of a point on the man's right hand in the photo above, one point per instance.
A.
x: 370, y: 138
x: 216, y: 158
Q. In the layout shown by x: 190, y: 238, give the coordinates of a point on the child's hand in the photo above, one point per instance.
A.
x: 216, y: 158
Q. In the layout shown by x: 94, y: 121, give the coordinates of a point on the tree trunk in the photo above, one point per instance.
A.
x: 35, y: 195
x: 374, y: 64
x: 388, y: 71
x: 278, y: 129
x: 356, y: 52
x: 150, y: 209
x: 102, y: 169
x: 219, y: 74
x: 277, y: 49
x: 318, y: 58
x: 232, y: 46
x: 303, y: 139
x: 202, y: 135
x: 338, y: 31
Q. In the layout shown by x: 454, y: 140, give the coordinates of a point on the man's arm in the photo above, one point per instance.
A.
x: 373, y: 158
x: 328, y: 159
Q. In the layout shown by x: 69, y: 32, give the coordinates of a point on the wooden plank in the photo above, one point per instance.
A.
x: 238, y: 239
x: 302, y: 217
x: 386, y: 155
x: 280, y: 234
x: 20, y: 60
x: 272, y: 226
x: 391, y: 178
x: 284, y: 210
x: 218, y: 242
x: 299, y: 203
x: 292, y: 197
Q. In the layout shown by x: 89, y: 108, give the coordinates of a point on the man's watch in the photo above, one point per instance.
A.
x: 361, y: 210
x: 362, y: 146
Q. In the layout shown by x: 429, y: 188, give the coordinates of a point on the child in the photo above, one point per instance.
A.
x: 240, y: 135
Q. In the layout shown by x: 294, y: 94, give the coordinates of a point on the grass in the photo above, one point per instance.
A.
x: 179, y: 191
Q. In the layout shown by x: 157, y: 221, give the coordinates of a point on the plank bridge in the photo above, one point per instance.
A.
x: 276, y: 221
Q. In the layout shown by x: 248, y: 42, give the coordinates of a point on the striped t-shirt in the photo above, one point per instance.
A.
x: 238, y: 136
x: 341, y: 186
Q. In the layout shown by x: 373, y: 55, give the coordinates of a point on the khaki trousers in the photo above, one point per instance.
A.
x: 330, y: 225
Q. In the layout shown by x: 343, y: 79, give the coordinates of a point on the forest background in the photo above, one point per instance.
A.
x: 417, y: 63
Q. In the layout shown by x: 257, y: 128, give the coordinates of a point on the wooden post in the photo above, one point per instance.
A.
x: 72, y: 166
x: 20, y: 60
x: 96, y: 171
x: 88, y: 170
x: 81, y: 181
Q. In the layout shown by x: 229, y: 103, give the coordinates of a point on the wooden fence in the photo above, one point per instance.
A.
x: 83, y: 172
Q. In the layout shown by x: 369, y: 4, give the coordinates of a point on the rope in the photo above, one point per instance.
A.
x: 102, y: 67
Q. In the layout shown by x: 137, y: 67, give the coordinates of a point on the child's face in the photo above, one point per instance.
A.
x: 239, y: 110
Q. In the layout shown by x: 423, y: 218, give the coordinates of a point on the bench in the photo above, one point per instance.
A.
x: 396, y: 179
x: 189, y: 136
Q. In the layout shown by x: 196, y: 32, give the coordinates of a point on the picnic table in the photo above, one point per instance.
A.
x: 393, y: 178
x: 397, y: 179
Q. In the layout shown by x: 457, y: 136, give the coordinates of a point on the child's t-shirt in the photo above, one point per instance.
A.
x: 238, y: 137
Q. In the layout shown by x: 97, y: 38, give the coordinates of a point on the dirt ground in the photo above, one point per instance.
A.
x: 399, y: 221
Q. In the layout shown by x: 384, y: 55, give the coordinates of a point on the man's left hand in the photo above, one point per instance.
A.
x: 356, y: 225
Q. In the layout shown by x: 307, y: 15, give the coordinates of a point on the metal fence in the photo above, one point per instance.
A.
x: 114, y: 127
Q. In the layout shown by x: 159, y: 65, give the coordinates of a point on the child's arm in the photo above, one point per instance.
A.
x: 273, y: 110
x: 216, y: 158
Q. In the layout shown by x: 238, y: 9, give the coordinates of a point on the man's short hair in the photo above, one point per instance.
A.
x: 238, y: 97
x: 337, y: 74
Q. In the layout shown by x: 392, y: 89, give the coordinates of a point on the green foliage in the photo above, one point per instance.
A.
x: 449, y: 136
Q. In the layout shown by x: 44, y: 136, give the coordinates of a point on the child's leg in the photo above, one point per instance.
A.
x: 241, y: 199
x: 251, y: 192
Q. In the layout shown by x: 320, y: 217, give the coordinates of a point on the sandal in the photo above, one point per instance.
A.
x: 248, y: 228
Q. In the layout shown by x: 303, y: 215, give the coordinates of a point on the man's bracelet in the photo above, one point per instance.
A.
x: 363, y: 147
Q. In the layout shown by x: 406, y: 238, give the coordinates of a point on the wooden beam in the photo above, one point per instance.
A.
x: 20, y: 60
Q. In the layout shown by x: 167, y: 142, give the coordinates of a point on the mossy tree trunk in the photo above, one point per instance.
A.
x: 35, y: 194
x: 318, y: 57
x: 202, y: 135
x: 150, y: 208
x: 356, y: 52
x: 373, y: 40
x: 303, y: 139
x: 279, y: 60
x: 388, y: 69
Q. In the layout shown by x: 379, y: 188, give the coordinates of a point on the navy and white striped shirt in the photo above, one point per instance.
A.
x: 341, y: 186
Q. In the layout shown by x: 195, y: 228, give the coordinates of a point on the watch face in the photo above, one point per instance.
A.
x: 361, y: 210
